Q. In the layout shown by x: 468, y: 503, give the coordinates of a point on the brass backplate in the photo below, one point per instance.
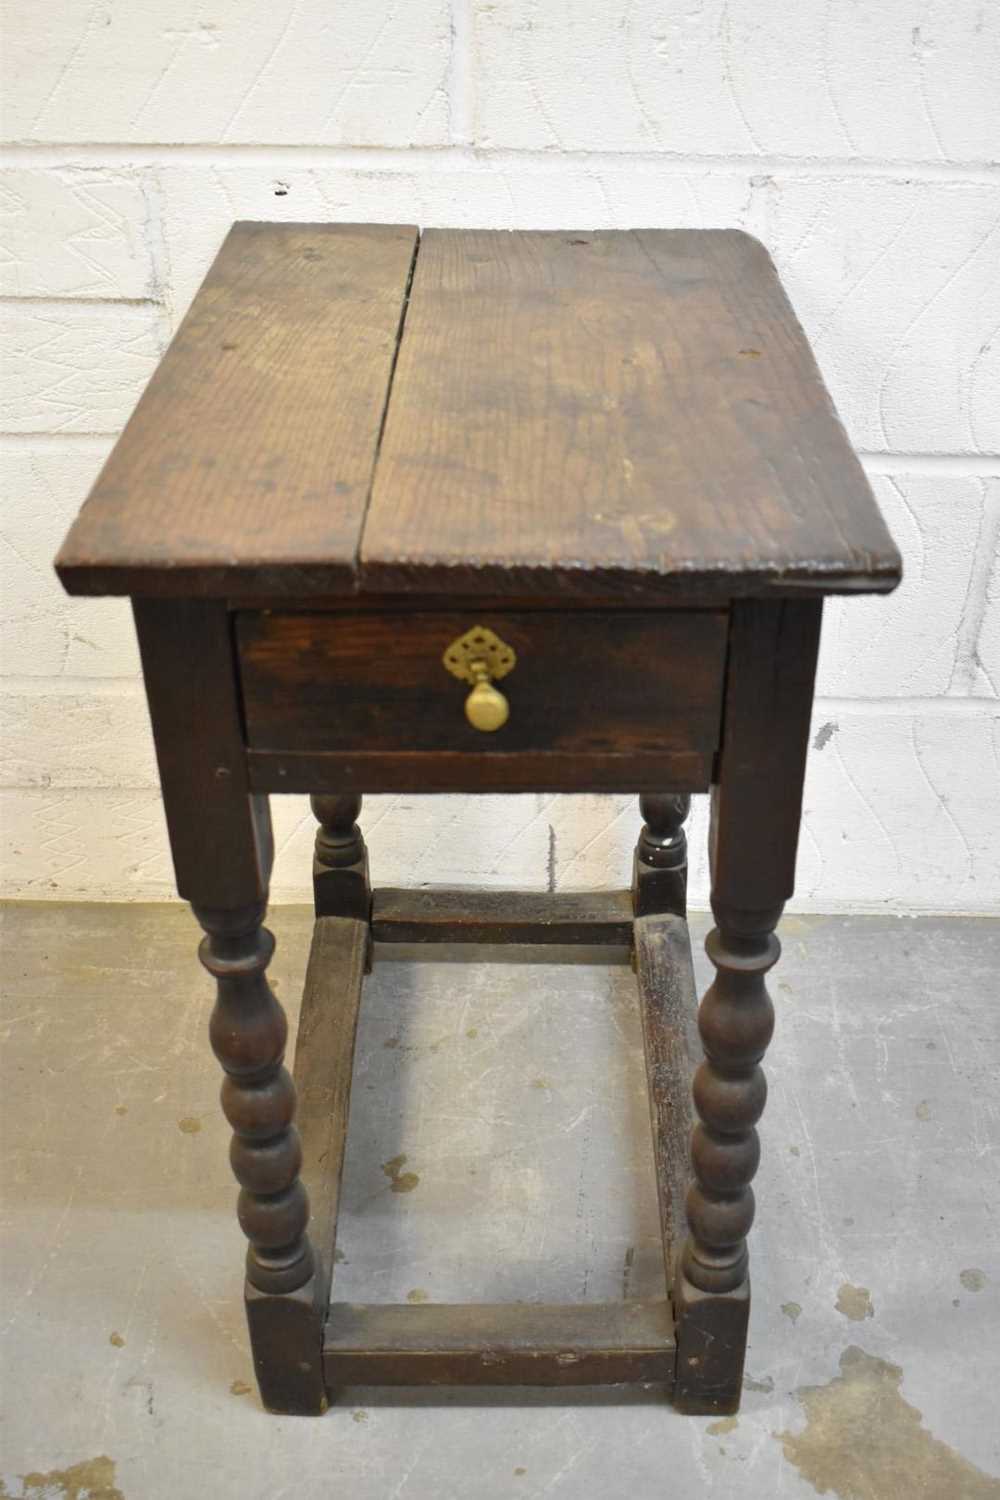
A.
x: 480, y: 644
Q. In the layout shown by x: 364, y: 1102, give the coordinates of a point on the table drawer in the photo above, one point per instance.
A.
x: 611, y: 685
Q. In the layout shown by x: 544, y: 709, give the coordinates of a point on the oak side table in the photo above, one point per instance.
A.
x: 485, y: 512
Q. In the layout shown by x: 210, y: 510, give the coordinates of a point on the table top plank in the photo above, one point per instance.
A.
x: 249, y: 457
x: 617, y: 412
x: 631, y: 416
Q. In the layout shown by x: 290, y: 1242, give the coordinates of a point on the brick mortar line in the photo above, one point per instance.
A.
x: 20, y: 299
x: 138, y: 154
x: 461, y: 81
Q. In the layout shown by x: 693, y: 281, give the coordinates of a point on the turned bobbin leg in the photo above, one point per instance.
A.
x: 248, y: 1031
x: 659, y: 872
x: 221, y: 845
x: 340, y: 864
x: 756, y: 807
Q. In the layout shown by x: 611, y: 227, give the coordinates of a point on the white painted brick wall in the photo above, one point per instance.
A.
x: 858, y: 142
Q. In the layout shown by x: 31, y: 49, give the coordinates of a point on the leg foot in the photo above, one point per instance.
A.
x: 286, y: 1337
x: 711, y: 1342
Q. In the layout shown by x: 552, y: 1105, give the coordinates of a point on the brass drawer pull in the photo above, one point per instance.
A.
x: 479, y: 656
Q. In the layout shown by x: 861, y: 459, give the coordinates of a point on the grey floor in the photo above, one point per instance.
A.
x: 515, y: 1093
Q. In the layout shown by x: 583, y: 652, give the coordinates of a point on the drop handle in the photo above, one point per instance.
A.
x: 486, y: 708
x: 480, y: 657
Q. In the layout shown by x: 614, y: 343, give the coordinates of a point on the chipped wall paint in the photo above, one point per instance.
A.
x: 859, y: 147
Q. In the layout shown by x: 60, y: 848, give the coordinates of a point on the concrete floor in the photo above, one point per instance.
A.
x: 516, y: 1093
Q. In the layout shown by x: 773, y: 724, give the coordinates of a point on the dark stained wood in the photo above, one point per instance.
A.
x: 476, y: 604
x: 711, y: 1347
x: 248, y: 462
x: 668, y: 1006
x: 626, y: 420
x: 736, y: 1021
x: 220, y: 835
x: 583, y: 683
x: 248, y: 1032
x: 659, y: 870
x: 324, y: 1059
x: 631, y: 414
x: 461, y: 771
x: 474, y: 915
x: 510, y: 1343
x: 711, y: 1286
x: 341, y: 886
x: 615, y: 412
x: 757, y: 803
x: 286, y: 1340
x: 756, y: 811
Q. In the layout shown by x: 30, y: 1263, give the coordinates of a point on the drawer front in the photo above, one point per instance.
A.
x: 591, y: 683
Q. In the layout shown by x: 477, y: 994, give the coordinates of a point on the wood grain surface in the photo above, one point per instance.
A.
x: 584, y: 682
x: 324, y: 1063
x: 630, y: 415
x: 668, y: 1003
x: 421, y: 771
x: 222, y: 853
x: 472, y: 915
x: 633, y: 411
x: 508, y: 1343
x: 249, y: 457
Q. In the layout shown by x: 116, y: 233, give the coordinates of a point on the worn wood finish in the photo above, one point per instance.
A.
x: 248, y: 1031
x: 220, y: 837
x: 627, y: 414
x: 630, y: 412
x: 286, y: 1343
x: 736, y: 1020
x: 476, y: 604
x: 510, y: 1343
x: 757, y: 801
x: 711, y: 1347
x: 341, y: 886
x: 614, y: 450
x: 222, y: 852
x: 584, y: 683
x: 324, y: 1062
x: 756, y: 811
x: 668, y: 1007
x: 248, y: 461
x: 473, y: 915
x: 462, y: 771
x: 659, y: 871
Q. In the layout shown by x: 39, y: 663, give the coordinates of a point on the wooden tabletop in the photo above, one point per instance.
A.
x: 359, y: 409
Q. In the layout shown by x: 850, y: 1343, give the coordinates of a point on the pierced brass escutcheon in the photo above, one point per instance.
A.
x: 480, y: 656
